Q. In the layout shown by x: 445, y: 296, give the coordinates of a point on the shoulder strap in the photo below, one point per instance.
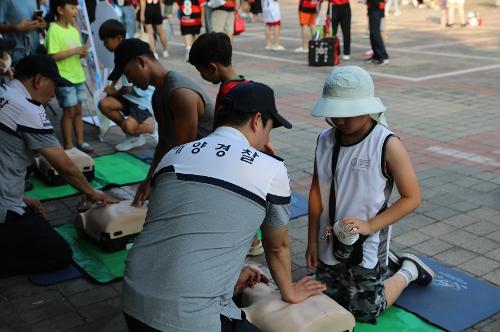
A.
x: 333, y: 198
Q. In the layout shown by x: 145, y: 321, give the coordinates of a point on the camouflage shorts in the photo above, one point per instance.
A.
x: 358, y: 289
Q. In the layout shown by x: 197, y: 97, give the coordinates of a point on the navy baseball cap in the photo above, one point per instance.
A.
x: 253, y: 97
x: 7, y: 44
x: 127, y: 50
x: 44, y: 65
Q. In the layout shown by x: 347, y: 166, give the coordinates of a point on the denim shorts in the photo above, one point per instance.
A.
x: 71, y: 95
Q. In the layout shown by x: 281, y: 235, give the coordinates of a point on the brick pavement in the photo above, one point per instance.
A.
x: 442, y: 92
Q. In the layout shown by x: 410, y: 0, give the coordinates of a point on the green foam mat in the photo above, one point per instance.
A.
x: 116, y: 169
x: 398, y: 320
x: 98, y: 264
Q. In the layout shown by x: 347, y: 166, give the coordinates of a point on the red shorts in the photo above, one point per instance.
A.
x: 307, y: 18
x: 274, y: 24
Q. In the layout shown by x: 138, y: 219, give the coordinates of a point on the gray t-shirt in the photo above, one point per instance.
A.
x: 208, y: 200
x: 174, y: 80
x: 24, y: 129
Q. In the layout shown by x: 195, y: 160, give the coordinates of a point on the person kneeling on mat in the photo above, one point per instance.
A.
x: 207, y: 201
x: 129, y: 100
x: 28, y: 243
x: 349, y: 216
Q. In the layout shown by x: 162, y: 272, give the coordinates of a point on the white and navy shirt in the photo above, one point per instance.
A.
x: 24, y: 130
x: 361, y: 189
x: 208, y: 199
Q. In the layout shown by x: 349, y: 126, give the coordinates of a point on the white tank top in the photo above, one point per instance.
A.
x: 361, y: 189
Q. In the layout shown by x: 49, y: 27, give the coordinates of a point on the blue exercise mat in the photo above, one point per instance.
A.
x: 453, y: 301
x: 299, y: 205
x: 55, y: 277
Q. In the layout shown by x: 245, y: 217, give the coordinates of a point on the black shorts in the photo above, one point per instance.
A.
x: 190, y: 30
x: 132, y: 110
x: 152, y: 14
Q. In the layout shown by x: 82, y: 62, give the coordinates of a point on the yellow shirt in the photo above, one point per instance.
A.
x: 60, y: 39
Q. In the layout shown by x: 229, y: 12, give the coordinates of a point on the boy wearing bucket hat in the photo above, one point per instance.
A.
x: 349, y: 216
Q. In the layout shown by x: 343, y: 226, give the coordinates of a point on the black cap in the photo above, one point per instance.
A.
x: 44, y: 65
x: 7, y: 44
x: 127, y: 50
x: 253, y: 97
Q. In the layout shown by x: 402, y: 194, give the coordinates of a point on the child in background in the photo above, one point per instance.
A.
x: 129, y: 107
x: 63, y: 43
x: 151, y: 16
x: 211, y: 54
x: 307, y: 19
x: 272, y: 18
x: 459, y: 6
x: 192, y: 14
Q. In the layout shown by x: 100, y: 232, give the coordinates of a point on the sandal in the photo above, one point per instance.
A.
x: 85, y: 147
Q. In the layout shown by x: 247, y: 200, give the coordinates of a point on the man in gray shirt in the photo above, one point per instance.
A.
x: 27, y: 241
x: 208, y: 199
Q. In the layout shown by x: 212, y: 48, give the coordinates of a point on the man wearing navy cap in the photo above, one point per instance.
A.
x: 208, y: 199
x: 28, y: 243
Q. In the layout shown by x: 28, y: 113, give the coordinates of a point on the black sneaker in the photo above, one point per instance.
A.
x: 425, y: 274
x: 394, y: 263
x: 370, y: 59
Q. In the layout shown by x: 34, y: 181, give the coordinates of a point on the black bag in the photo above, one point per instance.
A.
x: 324, y: 52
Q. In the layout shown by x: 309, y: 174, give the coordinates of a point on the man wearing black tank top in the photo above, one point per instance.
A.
x: 184, y: 112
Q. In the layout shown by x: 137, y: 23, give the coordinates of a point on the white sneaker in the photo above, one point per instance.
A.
x: 164, y: 54
x: 156, y: 56
x: 301, y: 50
x: 131, y: 142
x: 267, y: 48
x: 278, y: 48
x: 346, y: 57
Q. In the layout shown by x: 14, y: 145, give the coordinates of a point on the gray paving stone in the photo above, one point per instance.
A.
x: 455, y: 256
x: 441, y: 213
x: 115, y: 323
x: 464, y: 206
x: 411, y: 238
x: 458, y: 237
x: 92, y: 296
x: 432, y: 247
x: 493, y: 277
x: 495, y: 254
x: 59, y: 323
x: 417, y: 221
x: 461, y: 220
x: 75, y: 286
x: 484, y: 213
x: 45, y: 310
x: 481, y: 228
x: 479, y: 266
x: 95, y: 311
x: 438, y: 229
x: 12, y: 322
x: 480, y: 245
x: 485, y: 187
